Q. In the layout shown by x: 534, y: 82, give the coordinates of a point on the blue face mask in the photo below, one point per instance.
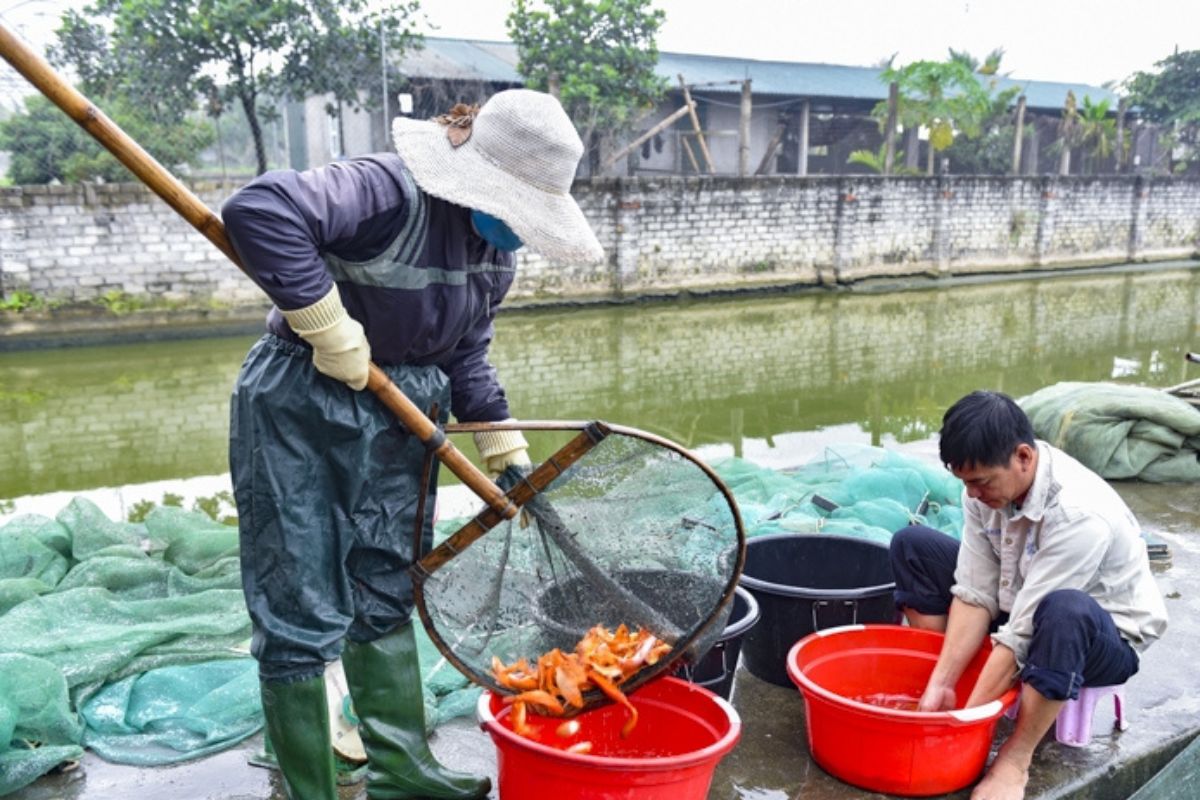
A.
x: 495, y: 232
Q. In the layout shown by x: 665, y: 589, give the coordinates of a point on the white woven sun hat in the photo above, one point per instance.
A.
x: 515, y: 159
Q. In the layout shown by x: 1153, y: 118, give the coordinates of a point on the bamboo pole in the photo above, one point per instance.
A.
x: 1121, y: 109
x: 679, y: 112
x: 687, y: 98
x: 43, y: 77
x: 772, y: 146
x: 802, y: 162
x: 687, y: 149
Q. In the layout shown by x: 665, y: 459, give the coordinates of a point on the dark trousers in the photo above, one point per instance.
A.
x: 1074, y: 643
x: 328, y: 487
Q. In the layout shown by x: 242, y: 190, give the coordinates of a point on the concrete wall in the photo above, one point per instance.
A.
x: 660, y: 234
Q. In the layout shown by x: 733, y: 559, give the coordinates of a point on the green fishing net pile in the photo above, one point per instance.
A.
x: 131, y: 638
x: 93, y: 616
x: 1120, y: 432
x: 848, y: 490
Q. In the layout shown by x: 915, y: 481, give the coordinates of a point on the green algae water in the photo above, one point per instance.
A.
x: 772, y: 378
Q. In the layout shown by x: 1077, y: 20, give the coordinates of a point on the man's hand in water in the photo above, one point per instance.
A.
x: 938, y: 698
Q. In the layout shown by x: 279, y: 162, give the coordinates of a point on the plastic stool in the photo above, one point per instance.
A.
x: 1074, y: 725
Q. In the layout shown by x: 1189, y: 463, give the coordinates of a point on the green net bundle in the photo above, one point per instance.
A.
x: 848, y: 490
x: 1120, y: 432
x: 90, y: 610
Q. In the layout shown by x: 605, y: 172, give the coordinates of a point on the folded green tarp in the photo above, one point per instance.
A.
x: 1120, y: 432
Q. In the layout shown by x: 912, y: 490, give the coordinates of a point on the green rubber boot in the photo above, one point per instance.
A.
x: 298, y: 730
x: 384, y: 678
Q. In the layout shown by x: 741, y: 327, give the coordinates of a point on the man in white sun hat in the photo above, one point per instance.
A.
x: 403, y: 260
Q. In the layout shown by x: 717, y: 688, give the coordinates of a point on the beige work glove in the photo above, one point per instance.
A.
x: 499, y: 450
x: 340, y: 348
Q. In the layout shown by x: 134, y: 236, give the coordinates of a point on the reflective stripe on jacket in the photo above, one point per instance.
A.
x: 409, y: 267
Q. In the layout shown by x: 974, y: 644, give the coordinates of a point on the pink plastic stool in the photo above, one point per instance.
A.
x: 1074, y: 725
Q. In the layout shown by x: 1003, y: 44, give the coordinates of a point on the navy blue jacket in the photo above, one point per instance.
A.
x: 409, y: 267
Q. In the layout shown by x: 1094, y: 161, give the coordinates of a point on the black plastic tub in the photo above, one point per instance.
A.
x: 809, y: 582
x: 715, y: 670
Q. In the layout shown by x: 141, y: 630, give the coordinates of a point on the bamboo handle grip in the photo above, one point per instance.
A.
x: 38, y: 72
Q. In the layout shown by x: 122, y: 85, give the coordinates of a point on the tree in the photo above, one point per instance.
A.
x: 598, y: 58
x: 47, y: 145
x: 875, y: 160
x: 959, y: 103
x: 167, y: 54
x: 990, y: 65
x: 1097, y: 131
x: 943, y: 96
x: 989, y: 151
x: 1068, y: 133
x: 1170, y: 96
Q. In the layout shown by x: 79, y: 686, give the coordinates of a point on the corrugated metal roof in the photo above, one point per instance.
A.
x: 463, y: 60
x: 1051, y: 95
x: 469, y: 59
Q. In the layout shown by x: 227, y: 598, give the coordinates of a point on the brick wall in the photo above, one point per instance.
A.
x: 80, y: 242
x: 660, y: 234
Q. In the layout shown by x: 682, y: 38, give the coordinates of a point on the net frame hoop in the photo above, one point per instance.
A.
x: 593, y: 697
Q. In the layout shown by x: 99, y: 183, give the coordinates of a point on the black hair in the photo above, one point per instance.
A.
x: 983, y: 429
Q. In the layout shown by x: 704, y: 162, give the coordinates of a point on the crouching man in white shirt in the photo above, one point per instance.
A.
x: 1051, y: 565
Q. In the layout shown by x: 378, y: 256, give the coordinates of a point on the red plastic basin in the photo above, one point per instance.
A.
x: 683, y: 731
x: 889, y: 749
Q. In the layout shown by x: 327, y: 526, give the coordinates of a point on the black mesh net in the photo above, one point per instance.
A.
x: 637, y: 532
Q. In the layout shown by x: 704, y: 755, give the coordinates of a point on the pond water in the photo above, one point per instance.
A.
x: 771, y: 378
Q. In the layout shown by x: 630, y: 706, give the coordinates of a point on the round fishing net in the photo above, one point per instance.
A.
x: 635, y: 533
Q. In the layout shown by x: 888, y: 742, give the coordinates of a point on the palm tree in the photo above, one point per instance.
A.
x: 989, y: 66
x: 1097, y: 129
x: 874, y: 161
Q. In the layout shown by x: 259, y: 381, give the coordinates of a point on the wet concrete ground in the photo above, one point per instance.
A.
x: 771, y: 761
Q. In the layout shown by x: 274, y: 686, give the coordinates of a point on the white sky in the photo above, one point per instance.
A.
x: 1084, y: 41
x: 1074, y: 41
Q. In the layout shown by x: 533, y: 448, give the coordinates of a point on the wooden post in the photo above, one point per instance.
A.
x: 1066, y: 132
x: 771, y: 148
x: 912, y: 148
x: 679, y: 112
x: 687, y: 98
x: 889, y: 137
x: 552, y: 85
x: 1034, y: 154
x: 1121, y: 109
x: 744, y: 131
x: 1018, y: 135
x: 687, y: 148
x: 802, y: 163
